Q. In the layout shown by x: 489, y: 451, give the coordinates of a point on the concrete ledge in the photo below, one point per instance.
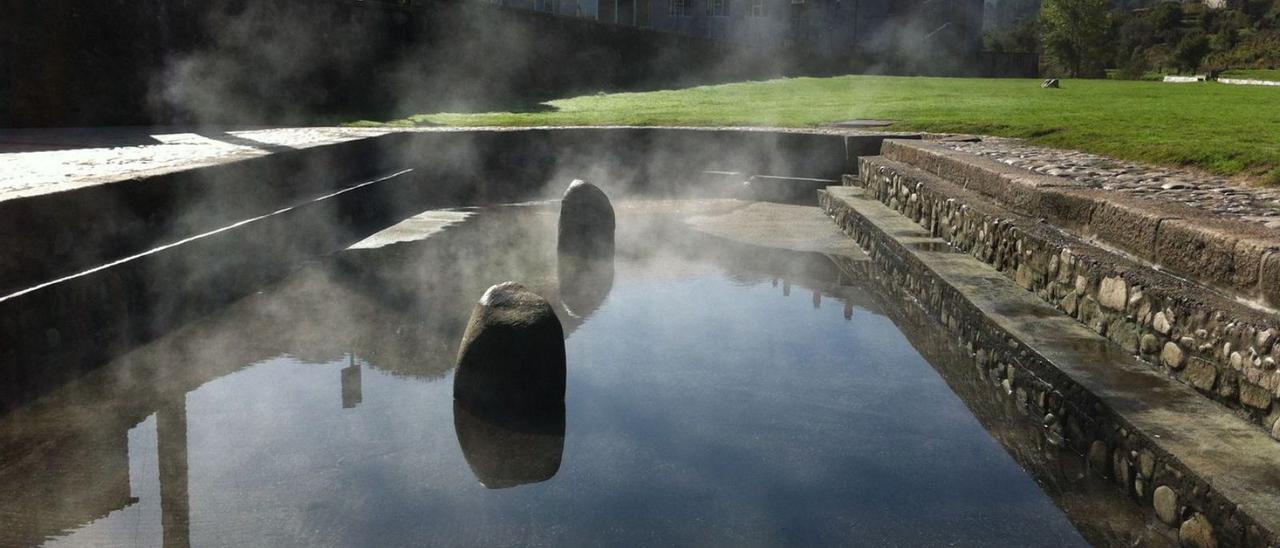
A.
x: 1223, y: 348
x: 1178, y: 238
x: 1141, y: 429
x: 59, y: 227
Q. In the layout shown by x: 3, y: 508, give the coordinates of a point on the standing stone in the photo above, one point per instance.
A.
x: 587, y: 222
x: 1165, y: 502
x: 1197, y: 532
x: 512, y: 354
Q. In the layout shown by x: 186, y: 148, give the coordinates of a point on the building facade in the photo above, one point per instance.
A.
x: 867, y: 26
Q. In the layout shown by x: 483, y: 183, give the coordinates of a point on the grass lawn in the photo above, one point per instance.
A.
x: 1254, y: 74
x: 1224, y: 129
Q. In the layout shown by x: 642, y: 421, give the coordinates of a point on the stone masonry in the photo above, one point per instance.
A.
x: 1223, y: 348
x: 1071, y: 414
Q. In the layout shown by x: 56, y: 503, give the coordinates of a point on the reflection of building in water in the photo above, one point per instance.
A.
x: 56, y: 479
x: 171, y: 447
x: 66, y: 464
x: 352, y: 393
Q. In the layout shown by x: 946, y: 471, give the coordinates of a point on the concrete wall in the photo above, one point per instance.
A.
x: 108, y: 302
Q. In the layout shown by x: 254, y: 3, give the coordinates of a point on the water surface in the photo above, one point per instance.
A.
x: 717, y: 394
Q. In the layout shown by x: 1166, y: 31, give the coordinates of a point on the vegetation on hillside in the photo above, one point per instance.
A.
x: 1137, y: 37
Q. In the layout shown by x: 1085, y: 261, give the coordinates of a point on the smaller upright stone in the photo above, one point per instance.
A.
x: 512, y: 357
x: 587, y: 222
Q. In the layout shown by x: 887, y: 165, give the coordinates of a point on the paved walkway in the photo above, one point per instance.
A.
x: 41, y: 161
x: 1195, y: 189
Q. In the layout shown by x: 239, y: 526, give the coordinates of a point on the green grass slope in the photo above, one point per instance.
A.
x: 1223, y: 129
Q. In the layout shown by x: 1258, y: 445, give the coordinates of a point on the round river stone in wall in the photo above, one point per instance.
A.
x: 1197, y: 533
x: 512, y: 355
x: 587, y: 222
x: 1172, y: 355
x: 1165, y: 502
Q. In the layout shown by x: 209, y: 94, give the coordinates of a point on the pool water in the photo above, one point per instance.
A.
x: 718, y: 394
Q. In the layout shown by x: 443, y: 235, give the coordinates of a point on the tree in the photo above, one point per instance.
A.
x: 1075, y: 34
x: 1191, y: 51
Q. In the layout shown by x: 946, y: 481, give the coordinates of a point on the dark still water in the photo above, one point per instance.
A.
x: 714, y: 398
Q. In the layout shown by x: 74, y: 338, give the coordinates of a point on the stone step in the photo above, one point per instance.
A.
x: 1195, y: 464
x: 1228, y: 253
x: 1221, y: 347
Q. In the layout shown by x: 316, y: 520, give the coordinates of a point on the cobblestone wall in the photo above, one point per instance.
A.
x: 1226, y: 350
x: 1071, y: 416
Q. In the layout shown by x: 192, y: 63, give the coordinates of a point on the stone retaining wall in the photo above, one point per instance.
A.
x: 1070, y: 415
x: 1239, y: 258
x: 1227, y: 351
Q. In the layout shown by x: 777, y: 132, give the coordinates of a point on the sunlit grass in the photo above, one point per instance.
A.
x: 1254, y: 74
x: 1224, y: 129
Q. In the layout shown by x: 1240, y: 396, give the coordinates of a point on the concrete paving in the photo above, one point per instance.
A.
x: 43, y: 161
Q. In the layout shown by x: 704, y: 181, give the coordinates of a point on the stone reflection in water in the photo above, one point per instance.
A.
x: 506, y: 448
x: 584, y: 284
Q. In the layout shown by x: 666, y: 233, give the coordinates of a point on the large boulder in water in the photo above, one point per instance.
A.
x: 587, y: 222
x: 512, y: 357
x: 506, y: 450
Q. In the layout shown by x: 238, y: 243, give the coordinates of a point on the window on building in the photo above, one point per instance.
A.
x: 718, y: 8
x: 678, y: 8
x: 756, y: 9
